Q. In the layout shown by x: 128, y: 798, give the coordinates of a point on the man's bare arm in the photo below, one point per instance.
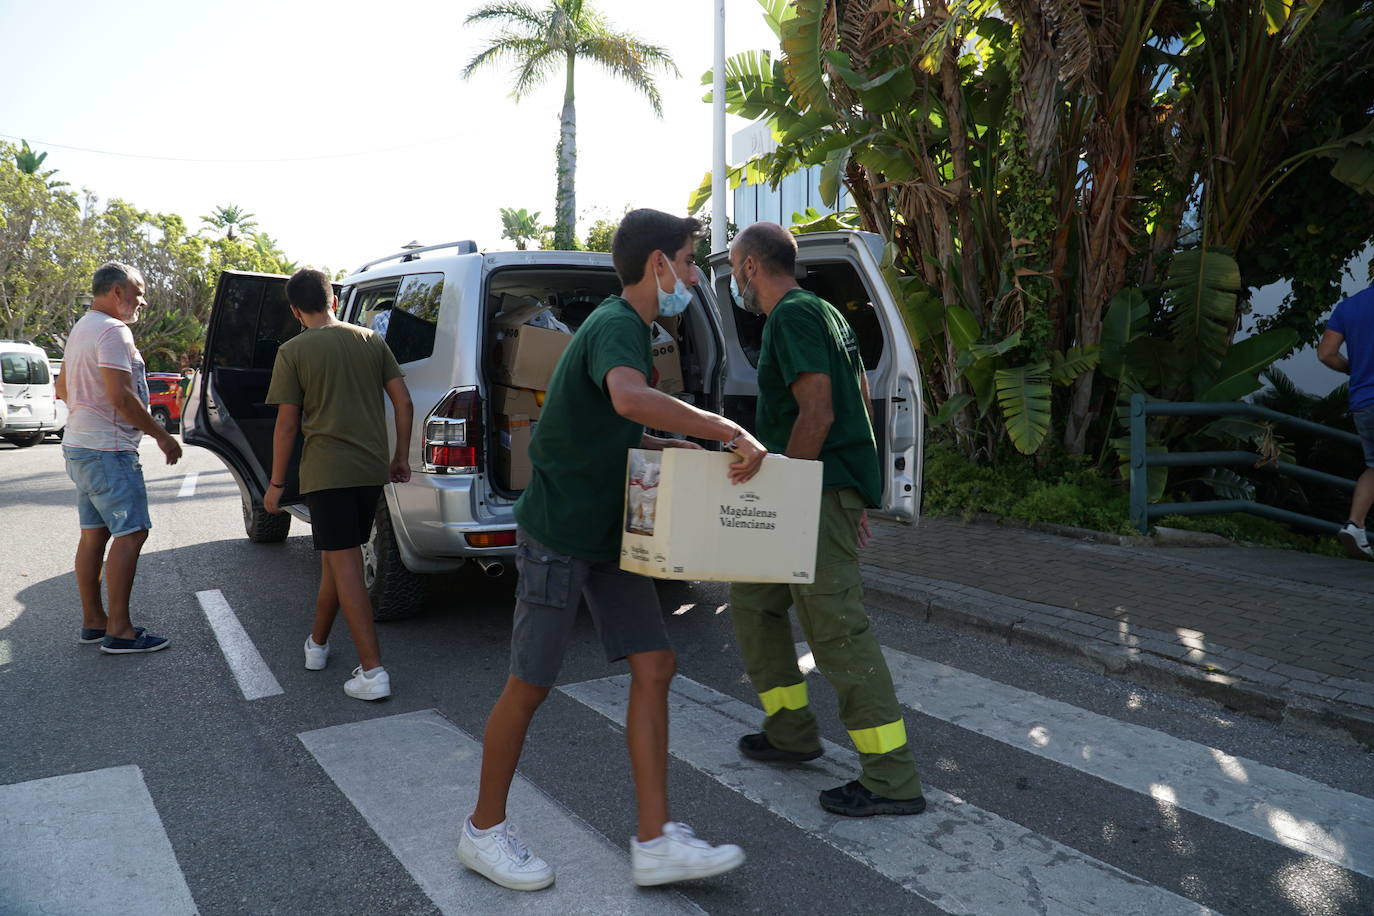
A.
x: 815, y: 415
x: 404, y: 409
x: 119, y: 391
x: 1329, y: 351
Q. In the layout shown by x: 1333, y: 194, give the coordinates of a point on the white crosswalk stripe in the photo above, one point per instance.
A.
x: 957, y: 856
x: 413, y: 777
x: 87, y: 843
x: 1262, y: 800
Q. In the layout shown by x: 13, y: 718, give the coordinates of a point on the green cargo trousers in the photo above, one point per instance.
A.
x: 832, y: 618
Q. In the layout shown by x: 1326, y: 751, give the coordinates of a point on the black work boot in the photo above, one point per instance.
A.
x: 853, y: 800
x: 758, y: 747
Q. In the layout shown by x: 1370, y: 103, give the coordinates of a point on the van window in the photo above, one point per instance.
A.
x: 251, y: 323
x: 410, y: 333
x: 22, y: 369
x: 838, y: 283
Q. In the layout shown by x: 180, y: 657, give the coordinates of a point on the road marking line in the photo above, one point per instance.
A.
x: 413, y: 777
x: 85, y: 842
x: 957, y: 856
x: 1265, y: 801
x: 188, y: 485
x: 255, y: 679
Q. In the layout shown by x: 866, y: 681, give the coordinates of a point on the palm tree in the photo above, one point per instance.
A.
x: 229, y: 216
x: 29, y: 161
x: 538, y: 42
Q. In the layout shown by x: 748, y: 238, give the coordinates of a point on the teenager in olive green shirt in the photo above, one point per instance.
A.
x: 813, y: 403
x: 568, y: 547
x: 328, y: 382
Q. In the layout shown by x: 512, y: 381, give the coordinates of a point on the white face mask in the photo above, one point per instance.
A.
x: 676, y: 302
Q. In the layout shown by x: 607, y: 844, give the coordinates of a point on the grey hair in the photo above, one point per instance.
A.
x: 112, y: 274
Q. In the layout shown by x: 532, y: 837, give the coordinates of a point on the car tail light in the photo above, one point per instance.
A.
x: 491, y: 539
x: 453, y: 434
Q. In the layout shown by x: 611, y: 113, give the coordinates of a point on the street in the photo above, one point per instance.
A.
x: 221, y: 777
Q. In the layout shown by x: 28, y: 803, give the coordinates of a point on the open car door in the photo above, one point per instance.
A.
x: 226, y: 410
x: 843, y: 268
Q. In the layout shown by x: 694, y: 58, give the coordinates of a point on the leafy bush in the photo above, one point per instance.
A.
x: 1251, y: 529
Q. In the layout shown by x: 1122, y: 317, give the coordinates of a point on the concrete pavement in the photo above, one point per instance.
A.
x: 1283, y: 635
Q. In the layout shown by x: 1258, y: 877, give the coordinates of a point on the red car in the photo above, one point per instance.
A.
x: 164, y: 399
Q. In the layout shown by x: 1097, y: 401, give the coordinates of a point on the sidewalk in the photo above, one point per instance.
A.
x: 1283, y: 635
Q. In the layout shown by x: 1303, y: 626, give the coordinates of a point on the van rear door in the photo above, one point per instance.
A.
x: 843, y: 268
x: 227, y: 411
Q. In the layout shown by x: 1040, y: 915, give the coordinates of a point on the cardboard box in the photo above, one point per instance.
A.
x: 511, y: 401
x: 529, y: 355
x: 684, y: 519
x: 513, y: 451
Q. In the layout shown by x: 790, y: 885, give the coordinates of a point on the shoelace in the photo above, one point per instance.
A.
x: 685, y: 834
x: 516, y: 846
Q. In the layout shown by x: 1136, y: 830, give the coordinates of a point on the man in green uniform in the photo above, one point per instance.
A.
x: 813, y: 403
x: 329, y: 380
x: 568, y: 547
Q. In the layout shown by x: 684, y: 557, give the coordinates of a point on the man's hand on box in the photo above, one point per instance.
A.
x: 749, y: 455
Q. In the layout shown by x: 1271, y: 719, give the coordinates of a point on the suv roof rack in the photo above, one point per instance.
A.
x: 464, y: 246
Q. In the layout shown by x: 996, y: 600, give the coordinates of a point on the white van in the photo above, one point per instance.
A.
x: 30, y: 399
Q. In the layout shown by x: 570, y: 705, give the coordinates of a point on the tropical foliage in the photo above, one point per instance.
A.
x: 543, y: 42
x: 52, y: 238
x: 520, y: 226
x: 1077, y: 195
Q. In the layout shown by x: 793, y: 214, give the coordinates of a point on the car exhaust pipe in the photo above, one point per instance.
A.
x: 493, y: 568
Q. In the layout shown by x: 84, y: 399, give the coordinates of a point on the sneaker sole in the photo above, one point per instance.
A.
x: 1352, y: 546
x: 671, y: 876
x: 779, y: 756
x: 158, y: 648
x: 537, y: 884
x: 319, y: 667
x: 895, y: 808
x: 366, y: 696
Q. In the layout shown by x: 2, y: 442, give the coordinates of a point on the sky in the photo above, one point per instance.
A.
x: 378, y: 138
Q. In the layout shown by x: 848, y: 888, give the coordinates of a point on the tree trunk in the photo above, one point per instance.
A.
x: 953, y: 95
x: 565, y: 217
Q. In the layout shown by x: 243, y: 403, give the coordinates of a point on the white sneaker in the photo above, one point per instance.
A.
x: 679, y: 856
x: 499, y: 855
x: 374, y: 686
x: 1356, y: 543
x: 315, y: 656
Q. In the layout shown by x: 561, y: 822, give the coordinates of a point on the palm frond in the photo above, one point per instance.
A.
x: 538, y: 64
x: 508, y: 13
x: 505, y: 46
x: 631, y: 60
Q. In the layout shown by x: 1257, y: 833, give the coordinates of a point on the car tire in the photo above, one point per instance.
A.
x: 163, y: 417
x: 396, y: 592
x: 262, y: 527
x: 27, y: 440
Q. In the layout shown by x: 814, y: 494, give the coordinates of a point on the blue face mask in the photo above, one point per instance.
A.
x: 674, y: 303
x: 748, y: 300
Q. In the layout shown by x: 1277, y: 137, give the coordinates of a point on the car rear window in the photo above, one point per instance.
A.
x: 22, y: 369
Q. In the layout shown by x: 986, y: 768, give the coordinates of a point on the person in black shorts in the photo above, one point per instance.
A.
x: 328, y: 381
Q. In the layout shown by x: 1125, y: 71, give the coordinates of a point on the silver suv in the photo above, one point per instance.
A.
x: 435, y: 306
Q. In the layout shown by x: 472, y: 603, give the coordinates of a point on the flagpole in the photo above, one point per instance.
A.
x: 718, y: 188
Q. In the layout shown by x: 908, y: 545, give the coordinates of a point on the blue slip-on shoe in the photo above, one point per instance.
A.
x: 143, y: 642
x: 94, y: 636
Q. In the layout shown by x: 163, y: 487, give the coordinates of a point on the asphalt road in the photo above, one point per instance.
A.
x: 151, y: 784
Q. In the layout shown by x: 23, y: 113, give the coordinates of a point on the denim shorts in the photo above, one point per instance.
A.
x: 624, y: 607
x: 1364, y: 425
x: 109, y: 489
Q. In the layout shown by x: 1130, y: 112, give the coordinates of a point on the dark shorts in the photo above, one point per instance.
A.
x: 624, y: 608
x: 342, y: 518
x: 1364, y: 425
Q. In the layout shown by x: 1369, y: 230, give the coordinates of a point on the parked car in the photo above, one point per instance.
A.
x: 164, y: 399
x: 457, y: 506
x: 55, y: 369
x: 30, y: 400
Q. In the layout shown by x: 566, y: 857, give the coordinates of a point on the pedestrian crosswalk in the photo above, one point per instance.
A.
x: 413, y: 776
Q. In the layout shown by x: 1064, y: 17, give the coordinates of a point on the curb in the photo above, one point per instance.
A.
x: 1163, y: 537
x: 1152, y: 658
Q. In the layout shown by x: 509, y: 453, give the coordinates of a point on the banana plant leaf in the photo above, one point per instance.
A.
x: 1239, y: 372
x: 1202, y: 286
x: 801, y: 45
x: 951, y: 407
x: 1023, y: 393
x: 1065, y: 367
x: 1123, y: 323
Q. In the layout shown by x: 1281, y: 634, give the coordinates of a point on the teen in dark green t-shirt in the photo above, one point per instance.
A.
x: 574, y: 502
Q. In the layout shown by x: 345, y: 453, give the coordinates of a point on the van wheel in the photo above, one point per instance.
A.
x: 262, y: 527
x: 162, y: 416
x: 396, y: 592
x: 26, y: 441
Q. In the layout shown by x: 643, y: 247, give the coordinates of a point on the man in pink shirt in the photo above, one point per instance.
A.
x: 104, y: 385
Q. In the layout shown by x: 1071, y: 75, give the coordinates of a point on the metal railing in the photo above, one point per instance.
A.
x: 1142, y: 511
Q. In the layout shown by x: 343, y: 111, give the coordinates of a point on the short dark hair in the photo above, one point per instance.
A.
x: 112, y: 274
x: 310, y: 290
x: 641, y: 233
x: 773, y: 246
